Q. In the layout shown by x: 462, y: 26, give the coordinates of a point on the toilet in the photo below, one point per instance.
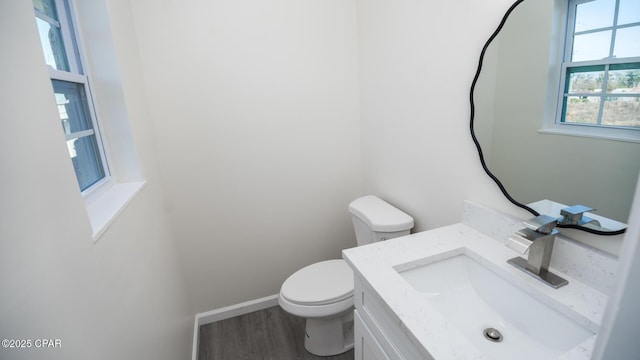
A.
x: 322, y: 293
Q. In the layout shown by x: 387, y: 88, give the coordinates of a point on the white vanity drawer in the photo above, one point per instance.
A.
x: 366, y: 345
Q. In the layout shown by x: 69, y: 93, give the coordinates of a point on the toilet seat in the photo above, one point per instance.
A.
x: 318, y: 290
x: 325, y: 282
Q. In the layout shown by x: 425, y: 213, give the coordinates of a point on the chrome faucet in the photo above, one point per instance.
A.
x: 539, y: 235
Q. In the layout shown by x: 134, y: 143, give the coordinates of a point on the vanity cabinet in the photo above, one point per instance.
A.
x: 398, y: 315
x: 366, y: 345
x: 378, y: 335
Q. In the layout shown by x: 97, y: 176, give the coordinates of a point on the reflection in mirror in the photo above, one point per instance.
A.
x: 514, y: 96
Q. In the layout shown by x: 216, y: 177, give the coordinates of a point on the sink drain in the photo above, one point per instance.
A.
x: 492, y: 334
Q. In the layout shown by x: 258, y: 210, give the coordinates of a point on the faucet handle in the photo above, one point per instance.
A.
x: 573, y: 215
x: 542, y: 223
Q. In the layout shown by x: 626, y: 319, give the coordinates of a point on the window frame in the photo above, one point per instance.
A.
x: 77, y: 74
x: 586, y: 129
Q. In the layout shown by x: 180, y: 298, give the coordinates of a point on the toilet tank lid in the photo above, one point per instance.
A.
x: 379, y: 215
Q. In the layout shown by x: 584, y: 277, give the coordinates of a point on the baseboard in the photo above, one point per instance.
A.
x: 227, y: 313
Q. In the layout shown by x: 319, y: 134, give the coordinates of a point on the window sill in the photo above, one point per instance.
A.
x: 105, y: 209
x: 590, y: 132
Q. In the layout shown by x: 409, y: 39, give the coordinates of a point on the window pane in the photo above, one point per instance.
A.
x: 86, y: 160
x: 585, y: 80
x: 629, y: 12
x: 75, y: 118
x: 624, y: 79
x: 621, y: 111
x: 72, y: 106
x: 592, y: 46
x: 594, y: 15
x: 627, y: 42
x: 46, y: 7
x: 582, y: 109
x: 52, y: 45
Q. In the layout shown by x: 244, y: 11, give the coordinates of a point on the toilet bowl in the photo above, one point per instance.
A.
x: 323, y: 292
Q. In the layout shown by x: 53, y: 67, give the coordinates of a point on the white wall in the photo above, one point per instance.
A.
x: 120, y: 298
x: 255, y: 112
x: 417, y: 61
x: 257, y: 116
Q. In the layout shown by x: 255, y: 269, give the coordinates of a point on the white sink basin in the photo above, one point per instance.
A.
x: 474, y: 298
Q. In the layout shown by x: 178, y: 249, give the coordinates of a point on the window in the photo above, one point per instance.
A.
x: 107, y: 187
x: 72, y: 92
x: 600, y: 81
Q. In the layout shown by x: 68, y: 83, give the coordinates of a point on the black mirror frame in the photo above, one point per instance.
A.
x: 479, y: 148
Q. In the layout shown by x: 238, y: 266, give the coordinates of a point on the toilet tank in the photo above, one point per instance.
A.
x: 375, y: 220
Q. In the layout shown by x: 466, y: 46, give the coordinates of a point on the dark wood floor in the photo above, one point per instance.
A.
x: 269, y: 334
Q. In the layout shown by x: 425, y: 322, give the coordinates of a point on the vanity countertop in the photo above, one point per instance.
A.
x: 377, y: 265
